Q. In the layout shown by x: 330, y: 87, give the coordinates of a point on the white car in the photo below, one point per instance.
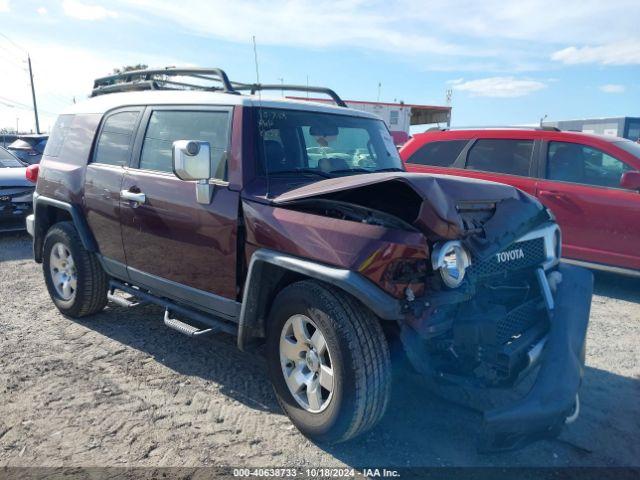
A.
x: 16, y: 192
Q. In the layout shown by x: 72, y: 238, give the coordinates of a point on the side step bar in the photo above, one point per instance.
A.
x: 213, y: 324
x: 122, y: 302
x: 184, y: 328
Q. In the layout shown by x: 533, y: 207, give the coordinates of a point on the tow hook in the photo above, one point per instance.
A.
x: 574, y: 416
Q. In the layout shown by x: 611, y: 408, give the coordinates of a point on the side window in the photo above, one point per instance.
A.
x: 571, y: 162
x: 438, y: 154
x: 114, y: 144
x: 167, y: 126
x: 394, y: 116
x: 508, y: 156
x: 58, y: 134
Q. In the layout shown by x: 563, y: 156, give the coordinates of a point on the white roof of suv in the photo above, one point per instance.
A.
x: 106, y: 102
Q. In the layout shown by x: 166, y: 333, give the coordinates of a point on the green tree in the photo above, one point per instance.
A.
x: 129, y: 68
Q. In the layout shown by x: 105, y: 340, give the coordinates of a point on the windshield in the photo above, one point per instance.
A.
x: 632, y: 147
x: 8, y: 161
x: 327, y: 145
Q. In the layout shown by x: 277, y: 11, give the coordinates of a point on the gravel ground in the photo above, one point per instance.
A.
x: 120, y: 389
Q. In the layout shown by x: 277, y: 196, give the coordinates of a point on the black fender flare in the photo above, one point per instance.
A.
x: 261, y: 267
x: 41, y: 226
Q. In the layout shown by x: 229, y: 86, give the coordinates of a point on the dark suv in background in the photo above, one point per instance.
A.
x: 29, y: 148
x: 293, y: 225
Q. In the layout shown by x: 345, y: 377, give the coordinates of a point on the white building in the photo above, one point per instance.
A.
x: 398, y: 116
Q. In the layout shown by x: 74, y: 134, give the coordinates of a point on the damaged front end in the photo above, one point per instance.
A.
x: 513, y: 312
x: 487, y: 303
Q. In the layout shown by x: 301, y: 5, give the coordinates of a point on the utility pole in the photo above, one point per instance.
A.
x: 33, y: 95
x: 379, y: 89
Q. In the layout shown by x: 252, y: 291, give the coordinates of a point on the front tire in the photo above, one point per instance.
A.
x: 328, y: 361
x: 75, y: 279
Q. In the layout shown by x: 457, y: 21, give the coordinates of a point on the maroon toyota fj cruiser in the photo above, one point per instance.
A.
x: 294, y: 225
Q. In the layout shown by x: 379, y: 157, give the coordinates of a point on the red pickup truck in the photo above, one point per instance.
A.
x: 590, y: 182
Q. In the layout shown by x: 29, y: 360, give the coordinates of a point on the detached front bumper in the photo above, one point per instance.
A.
x: 543, y: 411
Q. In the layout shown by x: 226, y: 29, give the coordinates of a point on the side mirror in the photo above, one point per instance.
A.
x: 630, y: 180
x: 191, y: 160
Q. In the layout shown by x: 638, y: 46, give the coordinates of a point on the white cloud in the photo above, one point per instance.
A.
x: 42, y: 11
x: 465, y: 35
x: 55, y: 91
x: 502, y: 87
x: 5, y: 6
x: 623, y: 53
x: 305, y: 23
x: 83, y: 11
x: 612, y: 88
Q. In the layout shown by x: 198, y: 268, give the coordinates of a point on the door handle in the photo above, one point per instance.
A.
x: 552, y: 194
x: 139, y: 198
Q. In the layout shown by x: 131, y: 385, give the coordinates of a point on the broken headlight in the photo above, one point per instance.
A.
x: 451, y: 260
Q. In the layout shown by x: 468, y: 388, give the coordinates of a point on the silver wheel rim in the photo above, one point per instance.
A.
x: 306, y: 363
x: 63, y: 271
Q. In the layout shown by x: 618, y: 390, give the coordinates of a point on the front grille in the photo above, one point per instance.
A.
x: 510, y: 259
x: 517, y: 321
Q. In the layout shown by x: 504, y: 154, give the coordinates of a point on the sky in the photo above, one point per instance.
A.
x: 506, y: 63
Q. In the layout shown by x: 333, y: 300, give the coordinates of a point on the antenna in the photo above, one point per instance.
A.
x: 260, y: 124
x: 255, y: 58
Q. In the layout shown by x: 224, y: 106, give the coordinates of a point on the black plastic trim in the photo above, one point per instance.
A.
x: 210, y: 302
x: 88, y: 241
x: 381, y: 303
x: 113, y: 268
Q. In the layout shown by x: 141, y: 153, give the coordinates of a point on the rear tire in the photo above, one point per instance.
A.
x: 75, y: 279
x: 356, y: 352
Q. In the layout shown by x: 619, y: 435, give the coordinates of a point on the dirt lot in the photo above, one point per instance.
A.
x: 121, y: 389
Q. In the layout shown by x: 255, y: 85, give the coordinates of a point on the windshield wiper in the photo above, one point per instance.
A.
x: 320, y: 173
x: 348, y: 170
x: 364, y: 170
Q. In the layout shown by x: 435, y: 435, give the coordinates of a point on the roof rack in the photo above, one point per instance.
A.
x: 161, y: 79
x: 254, y: 87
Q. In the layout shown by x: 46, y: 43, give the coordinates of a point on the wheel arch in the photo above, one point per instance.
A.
x: 48, y: 212
x: 270, y: 271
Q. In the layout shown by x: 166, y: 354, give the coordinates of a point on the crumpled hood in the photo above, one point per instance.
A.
x: 442, y: 206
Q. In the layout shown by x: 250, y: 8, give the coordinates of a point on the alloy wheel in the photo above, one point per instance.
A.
x: 306, y: 363
x: 64, y: 276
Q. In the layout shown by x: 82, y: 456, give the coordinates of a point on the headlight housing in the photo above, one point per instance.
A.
x: 451, y: 260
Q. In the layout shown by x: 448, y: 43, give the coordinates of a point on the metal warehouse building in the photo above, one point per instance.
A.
x: 627, y: 127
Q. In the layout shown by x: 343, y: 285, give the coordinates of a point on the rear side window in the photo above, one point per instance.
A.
x: 571, y: 162
x: 114, y: 144
x: 512, y: 157
x: 165, y: 127
x: 58, y: 134
x: 438, y: 154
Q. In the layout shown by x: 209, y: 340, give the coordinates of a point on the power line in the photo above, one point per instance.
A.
x: 13, y: 55
x: 15, y: 102
x: 13, y: 62
x: 13, y: 43
x: 21, y: 105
